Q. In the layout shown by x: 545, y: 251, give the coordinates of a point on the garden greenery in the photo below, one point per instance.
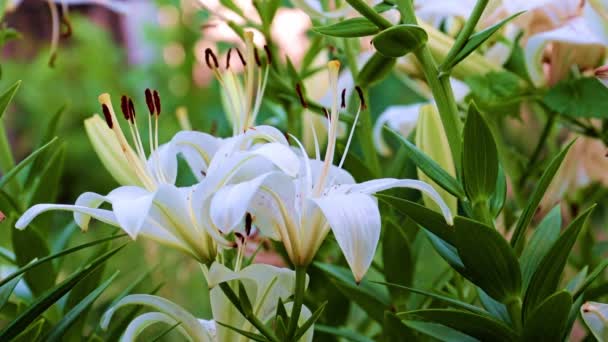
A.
x: 433, y: 220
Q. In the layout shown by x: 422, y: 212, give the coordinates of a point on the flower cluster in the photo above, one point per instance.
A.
x: 254, y: 181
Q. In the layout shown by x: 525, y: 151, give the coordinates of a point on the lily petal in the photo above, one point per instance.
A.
x: 197, y: 149
x: 100, y: 214
x: 355, y: 221
x: 131, y: 205
x: 141, y: 322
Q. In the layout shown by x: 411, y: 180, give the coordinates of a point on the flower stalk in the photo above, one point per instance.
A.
x: 298, y: 301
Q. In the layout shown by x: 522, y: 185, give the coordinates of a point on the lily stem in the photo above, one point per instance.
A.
x: 297, y: 302
x: 514, y: 309
x: 538, y: 149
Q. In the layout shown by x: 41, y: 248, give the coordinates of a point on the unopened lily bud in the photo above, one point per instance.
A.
x: 432, y: 140
x: 109, y: 151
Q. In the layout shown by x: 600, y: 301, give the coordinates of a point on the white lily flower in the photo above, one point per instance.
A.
x: 265, y: 284
x: 301, y: 211
x: 595, y: 315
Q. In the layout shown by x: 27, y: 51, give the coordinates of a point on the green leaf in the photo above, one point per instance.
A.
x: 475, y: 41
x: 548, y: 321
x: 7, y: 290
x: 545, y: 280
x: 479, y: 158
x: 348, y: 28
x: 583, y: 98
x: 32, y: 333
x: 399, y: 40
x: 55, y: 256
x: 439, y: 332
x: 342, y: 332
x: 46, y: 186
x: 543, y: 238
x: 253, y: 336
x: 28, y: 245
x: 309, y: 322
x: 590, y: 279
x: 496, y: 309
x: 430, y: 167
x: 497, y: 202
x: 375, y: 70
x: 370, y: 297
x: 394, y: 330
x: 7, y: 97
x: 474, y: 325
x: 518, y: 238
x: 25, y: 162
x: 427, y: 218
x: 165, y: 332
x: 489, y: 260
x: 447, y: 300
x: 397, y: 260
x: 56, y: 334
x: 497, y: 92
x: 49, y: 298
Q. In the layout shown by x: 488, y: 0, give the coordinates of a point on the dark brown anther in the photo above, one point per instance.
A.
x: 241, y: 56
x: 268, y: 54
x: 240, y: 237
x: 209, y: 58
x: 326, y: 113
x: 287, y: 137
x: 257, y: 57
x: 107, y: 115
x: 361, y: 97
x: 343, y: 105
x: 124, y: 107
x: 248, y: 223
x: 149, y: 101
x: 131, y: 111
x: 228, y: 58
x: 156, y: 102
x: 301, y: 96
x: 204, y: 173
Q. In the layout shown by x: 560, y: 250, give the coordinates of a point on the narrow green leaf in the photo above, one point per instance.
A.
x: 309, y: 322
x: 439, y: 332
x: 479, y: 157
x: 56, y: 334
x: 46, y: 186
x: 253, y: 336
x: 496, y: 309
x: 430, y: 167
x: 450, y: 301
x: 474, y: 325
x: 244, y: 299
x: 348, y: 28
x: 497, y: 202
x: 590, y: 279
x: 49, y: 298
x: 165, y: 332
x: 28, y: 245
x: 397, y: 260
x: 25, y: 162
x: 7, y: 290
x: 475, y: 41
x: 518, y: 238
x: 55, y: 256
x: 543, y: 238
x: 7, y: 97
x: 548, y: 321
x: 372, y: 298
x: 399, y: 40
x: 31, y: 333
x: 545, y: 280
x: 342, y: 332
x: 499, y: 275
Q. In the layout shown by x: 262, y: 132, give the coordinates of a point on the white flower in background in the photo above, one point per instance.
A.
x: 578, y: 36
x: 403, y: 118
x: 595, y: 316
x: 300, y: 212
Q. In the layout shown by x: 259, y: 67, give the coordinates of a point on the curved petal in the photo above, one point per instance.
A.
x: 131, y: 205
x: 197, y: 149
x: 281, y: 156
x: 355, y: 220
x: 162, y: 164
x: 400, y: 118
x: 102, y: 215
x: 141, y: 322
x: 91, y: 200
x: 188, y: 322
x: 377, y: 185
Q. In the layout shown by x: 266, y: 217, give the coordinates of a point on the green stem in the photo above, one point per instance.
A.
x: 465, y: 33
x: 514, y: 309
x: 537, y: 150
x: 366, y: 138
x: 351, y: 57
x: 481, y: 211
x: 297, y: 302
x: 365, y: 10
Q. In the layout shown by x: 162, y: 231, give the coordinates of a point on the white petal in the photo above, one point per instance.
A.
x: 402, y: 118
x: 188, y: 322
x: 595, y: 316
x: 90, y: 200
x: 131, y: 205
x: 197, y: 148
x: 595, y: 14
x: 377, y: 185
x: 116, y: 6
x: 141, y: 322
x: 162, y: 164
x: 100, y: 214
x: 281, y: 156
x: 355, y: 221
